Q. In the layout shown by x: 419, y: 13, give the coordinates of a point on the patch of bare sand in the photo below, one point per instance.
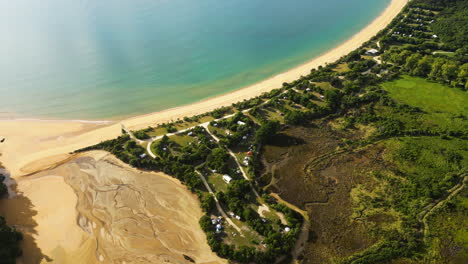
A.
x: 96, y: 209
x: 48, y: 220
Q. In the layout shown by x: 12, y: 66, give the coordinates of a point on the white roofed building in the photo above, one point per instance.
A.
x: 227, y: 178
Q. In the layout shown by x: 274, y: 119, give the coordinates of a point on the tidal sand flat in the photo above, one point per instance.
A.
x: 102, y: 211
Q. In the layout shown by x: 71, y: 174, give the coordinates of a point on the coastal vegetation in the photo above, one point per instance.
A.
x: 10, y: 238
x: 372, y: 149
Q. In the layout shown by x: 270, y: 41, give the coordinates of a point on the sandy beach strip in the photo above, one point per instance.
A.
x: 32, y: 140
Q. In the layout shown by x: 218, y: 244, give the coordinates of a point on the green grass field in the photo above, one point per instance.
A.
x: 342, y: 67
x: 429, y: 96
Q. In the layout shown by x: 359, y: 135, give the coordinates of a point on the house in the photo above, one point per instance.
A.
x: 240, y: 123
x: 227, y: 178
x: 142, y: 155
x: 372, y: 52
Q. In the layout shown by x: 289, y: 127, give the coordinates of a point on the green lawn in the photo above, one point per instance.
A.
x: 250, y: 238
x: 342, y: 67
x: 429, y: 96
x: 185, y: 125
x: 217, y: 183
x: 182, y: 139
x: 159, y: 131
x: 324, y: 85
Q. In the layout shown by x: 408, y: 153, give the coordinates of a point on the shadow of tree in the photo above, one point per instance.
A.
x: 19, y: 212
x: 283, y: 140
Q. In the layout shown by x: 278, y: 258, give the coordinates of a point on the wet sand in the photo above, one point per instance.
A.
x: 99, y: 210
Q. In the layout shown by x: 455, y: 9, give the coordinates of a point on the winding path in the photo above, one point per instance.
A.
x: 218, y: 205
x: 452, y: 193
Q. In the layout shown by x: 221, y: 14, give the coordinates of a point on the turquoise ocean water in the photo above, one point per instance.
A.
x: 88, y: 59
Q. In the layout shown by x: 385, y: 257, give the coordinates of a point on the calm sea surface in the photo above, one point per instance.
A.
x: 88, y: 59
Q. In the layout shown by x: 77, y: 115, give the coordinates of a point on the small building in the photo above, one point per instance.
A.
x: 142, y: 156
x: 238, y: 217
x: 240, y: 123
x: 213, y: 221
x: 434, y: 36
x: 190, y: 133
x: 372, y: 52
x: 244, y: 137
x: 308, y: 90
x: 227, y: 178
x: 249, y: 153
x: 287, y: 229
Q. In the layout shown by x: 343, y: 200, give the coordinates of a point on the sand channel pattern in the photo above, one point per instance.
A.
x: 122, y: 216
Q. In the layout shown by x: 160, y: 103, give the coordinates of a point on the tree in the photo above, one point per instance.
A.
x: 141, y: 134
x: 423, y: 67
x: 208, y: 202
x: 267, y: 131
x: 449, y: 71
x: 333, y: 98
x: 436, y: 71
x: 3, y: 187
x: 463, y: 74
x: 9, y: 237
x: 295, y: 117
x: 412, y: 61
x: 400, y: 57
x: 217, y: 160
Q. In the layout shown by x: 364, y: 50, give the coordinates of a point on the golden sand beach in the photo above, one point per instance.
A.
x: 41, y: 147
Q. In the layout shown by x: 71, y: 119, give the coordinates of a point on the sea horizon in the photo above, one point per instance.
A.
x: 90, y: 104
